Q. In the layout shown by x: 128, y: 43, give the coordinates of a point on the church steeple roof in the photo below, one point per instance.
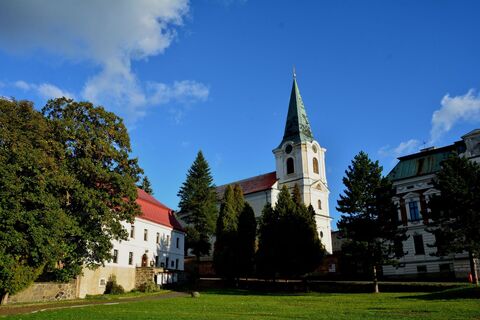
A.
x: 297, y: 127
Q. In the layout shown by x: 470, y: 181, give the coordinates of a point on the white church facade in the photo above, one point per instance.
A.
x: 299, y: 160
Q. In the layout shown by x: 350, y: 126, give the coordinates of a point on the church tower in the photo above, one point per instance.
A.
x: 301, y: 160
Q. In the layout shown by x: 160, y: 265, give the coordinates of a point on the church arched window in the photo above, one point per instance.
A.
x: 315, y: 165
x: 290, y: 166
x: 320, y: 204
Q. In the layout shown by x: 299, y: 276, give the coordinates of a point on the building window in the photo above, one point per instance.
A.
x: 115, y: 255
x: 158, y: 237
x: 102, y: 282
x: 178, y: 243
x: 132, y: 231
x: 166, y: 262
x: 315, y: 165
x: 414, y: 213
x: 168, y: 240
x: 320, y: 204
x: 321, y: 234
x: 130, y: 258
x: 145, y: 234
x: 445, y: 267
x: 172, y: 264
x: 176, y: 263
x: 290, y: 167
x: 421, y: 269
x: 418, y: 242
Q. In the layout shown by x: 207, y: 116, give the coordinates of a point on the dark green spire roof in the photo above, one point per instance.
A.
x: 297, y: 128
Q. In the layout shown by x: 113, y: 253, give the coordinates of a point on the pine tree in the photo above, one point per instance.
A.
x: 247, y: 230
x: 199, y: 204
x: 146, y: 186
x: 455, y: 212
x: 370, y: 217
x: 225, y: 249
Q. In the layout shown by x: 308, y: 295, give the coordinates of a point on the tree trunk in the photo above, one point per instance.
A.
x: 473, y: 268
x: 375, y: 280
x: 4, y: 298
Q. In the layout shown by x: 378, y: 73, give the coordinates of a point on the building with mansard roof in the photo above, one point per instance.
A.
x: 412, y: 180
x: 299, y: 160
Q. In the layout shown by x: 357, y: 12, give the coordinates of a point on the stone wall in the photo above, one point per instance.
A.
x: 93, y: 282
x: 144, y: 275
x: 46, y: 291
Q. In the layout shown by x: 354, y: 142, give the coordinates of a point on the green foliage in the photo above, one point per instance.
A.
x: 148, y: 287
x: 225, y: 248
x: 235, y: 235
x: 247, y: 231
x: 33, y: 224
x: 198, y: 200
x: 146, y: 185
x: 370, y: 217
x: 288, y: 242
x: 455, y: 212
x: 113, y: 287
x: 66, y: 183
x: 100, y: 190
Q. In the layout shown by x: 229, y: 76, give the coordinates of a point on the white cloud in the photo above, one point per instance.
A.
x: 402, y: 149
x: 44, y: 90
x: 454, y: 110
x: 186, y: 91
x: 110, y: 34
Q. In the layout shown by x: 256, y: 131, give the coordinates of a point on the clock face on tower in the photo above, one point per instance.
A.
x: 288, y: 149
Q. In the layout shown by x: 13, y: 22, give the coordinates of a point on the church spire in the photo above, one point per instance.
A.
x: 297, y: 127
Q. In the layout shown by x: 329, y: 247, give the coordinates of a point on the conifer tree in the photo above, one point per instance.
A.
x: 146, y: 186
x: 268, y: 253
x: 199, y: 204
x: 370, y: 217
x: 455, y: 212
x: 225, y: 249
x: 247, y: 230
x: 289, y: 245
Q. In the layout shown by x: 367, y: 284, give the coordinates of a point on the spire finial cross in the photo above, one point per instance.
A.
x: 294, y: 73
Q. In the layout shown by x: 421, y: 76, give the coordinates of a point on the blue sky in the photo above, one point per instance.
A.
x: 386, y: 77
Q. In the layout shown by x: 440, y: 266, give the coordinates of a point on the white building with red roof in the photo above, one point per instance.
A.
x: 156, y: 242
x: 300, y: 160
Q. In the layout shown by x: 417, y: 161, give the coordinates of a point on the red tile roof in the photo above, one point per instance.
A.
x: 155, y: 211
x: 252, y: 185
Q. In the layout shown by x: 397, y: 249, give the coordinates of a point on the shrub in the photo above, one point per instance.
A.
x: 113, y: 287
x: 148, y: 287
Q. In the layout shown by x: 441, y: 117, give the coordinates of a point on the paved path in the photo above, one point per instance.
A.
x: 13, y: 309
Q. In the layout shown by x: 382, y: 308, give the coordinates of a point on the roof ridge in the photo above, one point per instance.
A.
x: 246, y: 179
x: 151, y: 199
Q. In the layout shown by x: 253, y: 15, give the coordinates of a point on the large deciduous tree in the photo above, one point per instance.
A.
x: 369, y: 220
x: 198, y: 203
x: 100, y: 191
x: 455, y: 211
x: 66, y: 183
x: 33, y: 223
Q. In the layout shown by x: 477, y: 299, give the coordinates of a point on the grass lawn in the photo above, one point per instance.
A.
x: 451, y: 304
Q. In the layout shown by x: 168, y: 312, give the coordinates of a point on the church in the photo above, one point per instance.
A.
x: 300, y: 160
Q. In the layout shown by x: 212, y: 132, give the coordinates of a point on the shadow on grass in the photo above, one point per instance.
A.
x: 247, y: 292
x: 450, y: 294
